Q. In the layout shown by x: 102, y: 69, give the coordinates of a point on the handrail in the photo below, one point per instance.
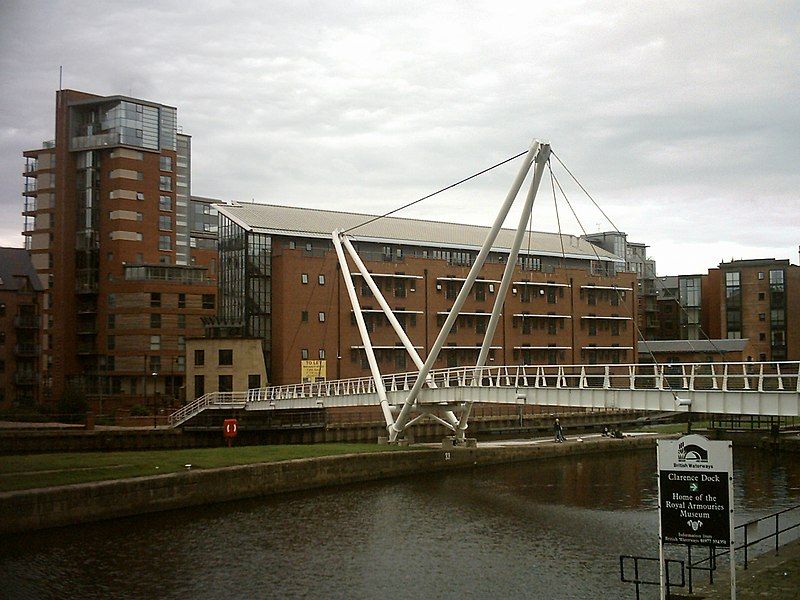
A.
x: 743, y: 377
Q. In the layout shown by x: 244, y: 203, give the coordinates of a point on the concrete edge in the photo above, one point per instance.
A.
x: 79, y: 503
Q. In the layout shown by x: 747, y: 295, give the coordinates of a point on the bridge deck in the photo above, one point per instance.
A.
x: 725, y: 388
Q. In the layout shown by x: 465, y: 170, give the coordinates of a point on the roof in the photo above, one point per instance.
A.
x: 313, y: 222
x: 708, y: 346
x: 16, y: 263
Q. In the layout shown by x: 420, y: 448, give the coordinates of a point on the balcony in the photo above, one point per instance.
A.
x: 87, y: 308
x: 88, y: 142
x: 27, y: 350
x: 30, y: 207
x: 30, y: 188
x: 26, y: 378
x: 87, y: 329
x: 31, y: 166
x: 86, y: 348
x: 27, y: 322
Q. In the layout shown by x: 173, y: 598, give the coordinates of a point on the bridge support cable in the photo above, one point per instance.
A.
x: 402, y: 418
x: 452, y: 421
x: 542, y: 156
x: 362, y: 328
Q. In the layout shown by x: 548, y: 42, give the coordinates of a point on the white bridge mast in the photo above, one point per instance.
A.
x: 537, y: 155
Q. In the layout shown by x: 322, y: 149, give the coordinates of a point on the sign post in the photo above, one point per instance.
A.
x: 695, y: 496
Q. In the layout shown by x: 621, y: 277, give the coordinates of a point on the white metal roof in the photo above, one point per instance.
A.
x: 316, y: 223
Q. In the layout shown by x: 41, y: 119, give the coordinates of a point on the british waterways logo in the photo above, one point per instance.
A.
x: 692, y: 453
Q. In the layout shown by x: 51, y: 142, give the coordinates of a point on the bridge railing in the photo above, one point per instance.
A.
x: 677, y: 377
x: 738, y: 376
x: 217, y: 399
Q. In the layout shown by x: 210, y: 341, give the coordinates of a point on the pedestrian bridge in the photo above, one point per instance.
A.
x: 746, y: 388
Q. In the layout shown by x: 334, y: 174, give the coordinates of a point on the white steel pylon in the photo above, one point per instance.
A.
x: 538, y: 155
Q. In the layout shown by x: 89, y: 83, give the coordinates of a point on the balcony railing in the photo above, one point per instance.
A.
x: 26, y: 378
x: 27, y: 349
x: 27, y: 322
x: 31, y: 165
x: 30, y: 187
x: 101, y: 140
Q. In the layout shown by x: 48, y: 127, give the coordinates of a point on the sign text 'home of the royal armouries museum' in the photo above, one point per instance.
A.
x: 695, y: 482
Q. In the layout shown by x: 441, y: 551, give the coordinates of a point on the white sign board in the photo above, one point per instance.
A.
x: 695, y: 494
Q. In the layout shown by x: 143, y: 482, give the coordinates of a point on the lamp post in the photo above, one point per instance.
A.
x: 155, y: 415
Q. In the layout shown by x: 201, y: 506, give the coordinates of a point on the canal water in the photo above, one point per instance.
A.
x: 552, y: 529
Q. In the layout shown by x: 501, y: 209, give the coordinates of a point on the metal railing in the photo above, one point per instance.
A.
x: 639, y: 580
x: 722, y: 377
x: 744, y: 376
x: 750, y: 538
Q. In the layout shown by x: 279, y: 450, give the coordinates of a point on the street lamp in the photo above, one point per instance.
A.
x: 155, y: 415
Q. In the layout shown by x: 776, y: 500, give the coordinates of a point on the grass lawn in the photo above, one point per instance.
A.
x: 44, y: 470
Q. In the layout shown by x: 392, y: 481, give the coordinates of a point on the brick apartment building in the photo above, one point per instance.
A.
x: 125, y: 257
x: 279, y: 281
x: 754, y: 300
x: 757, y: 300
x: 20, y: 322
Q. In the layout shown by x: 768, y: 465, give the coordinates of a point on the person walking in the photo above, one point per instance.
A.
x: 558, y: 432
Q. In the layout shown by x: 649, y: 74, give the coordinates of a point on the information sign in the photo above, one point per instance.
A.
x: 694, y: 491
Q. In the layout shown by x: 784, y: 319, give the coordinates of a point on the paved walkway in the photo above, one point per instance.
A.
x: 767, y: 576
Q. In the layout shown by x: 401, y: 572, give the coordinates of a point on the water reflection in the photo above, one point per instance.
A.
x: 547, y: 529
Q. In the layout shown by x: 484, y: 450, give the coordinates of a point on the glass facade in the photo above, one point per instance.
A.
x: 777, y: 305
x: 245, y: 286
x: 124, y: 122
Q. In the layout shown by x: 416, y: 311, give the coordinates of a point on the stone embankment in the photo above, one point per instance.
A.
x: 72, y: 504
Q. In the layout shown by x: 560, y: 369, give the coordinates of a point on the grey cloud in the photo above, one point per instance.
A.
x: 681, y: 119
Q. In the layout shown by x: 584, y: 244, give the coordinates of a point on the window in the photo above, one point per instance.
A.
x: 761, y: 296
x: 165, y: 223
x: 400, y: 288
x: 308, y: 247
x: 110, y: 342
x: 181, y: 300
x: 155, y: 342
x: 199, y: 358
x: 111, y: 321
x: 592, y: 327
x: 112, y: 299
x: 304, y: 278
x: 321, y: 317
x: 304, y: 316
x: 208, y: 301
x: 165, y: 203
x: 164, y: 242
x: 225, y: 357
x: 321, y: 354
x: 253, y: 381
x: 762, y: 316
x: 155, y: 299
x: 199, y: 385
x: 225, y: 383
x: 182, y: 343
x: 321, y: 279
x: 155, y: 364
x: 155, y: 321
x: 292, y: 245
x: 181, y: 321
x: 166, y: 163
x: 304, y: 354
x: 165, y: 183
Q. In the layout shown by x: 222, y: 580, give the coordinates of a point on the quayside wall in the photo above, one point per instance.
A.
x: 68, y: 505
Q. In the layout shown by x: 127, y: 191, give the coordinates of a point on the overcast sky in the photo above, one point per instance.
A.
x: 682, y: 119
